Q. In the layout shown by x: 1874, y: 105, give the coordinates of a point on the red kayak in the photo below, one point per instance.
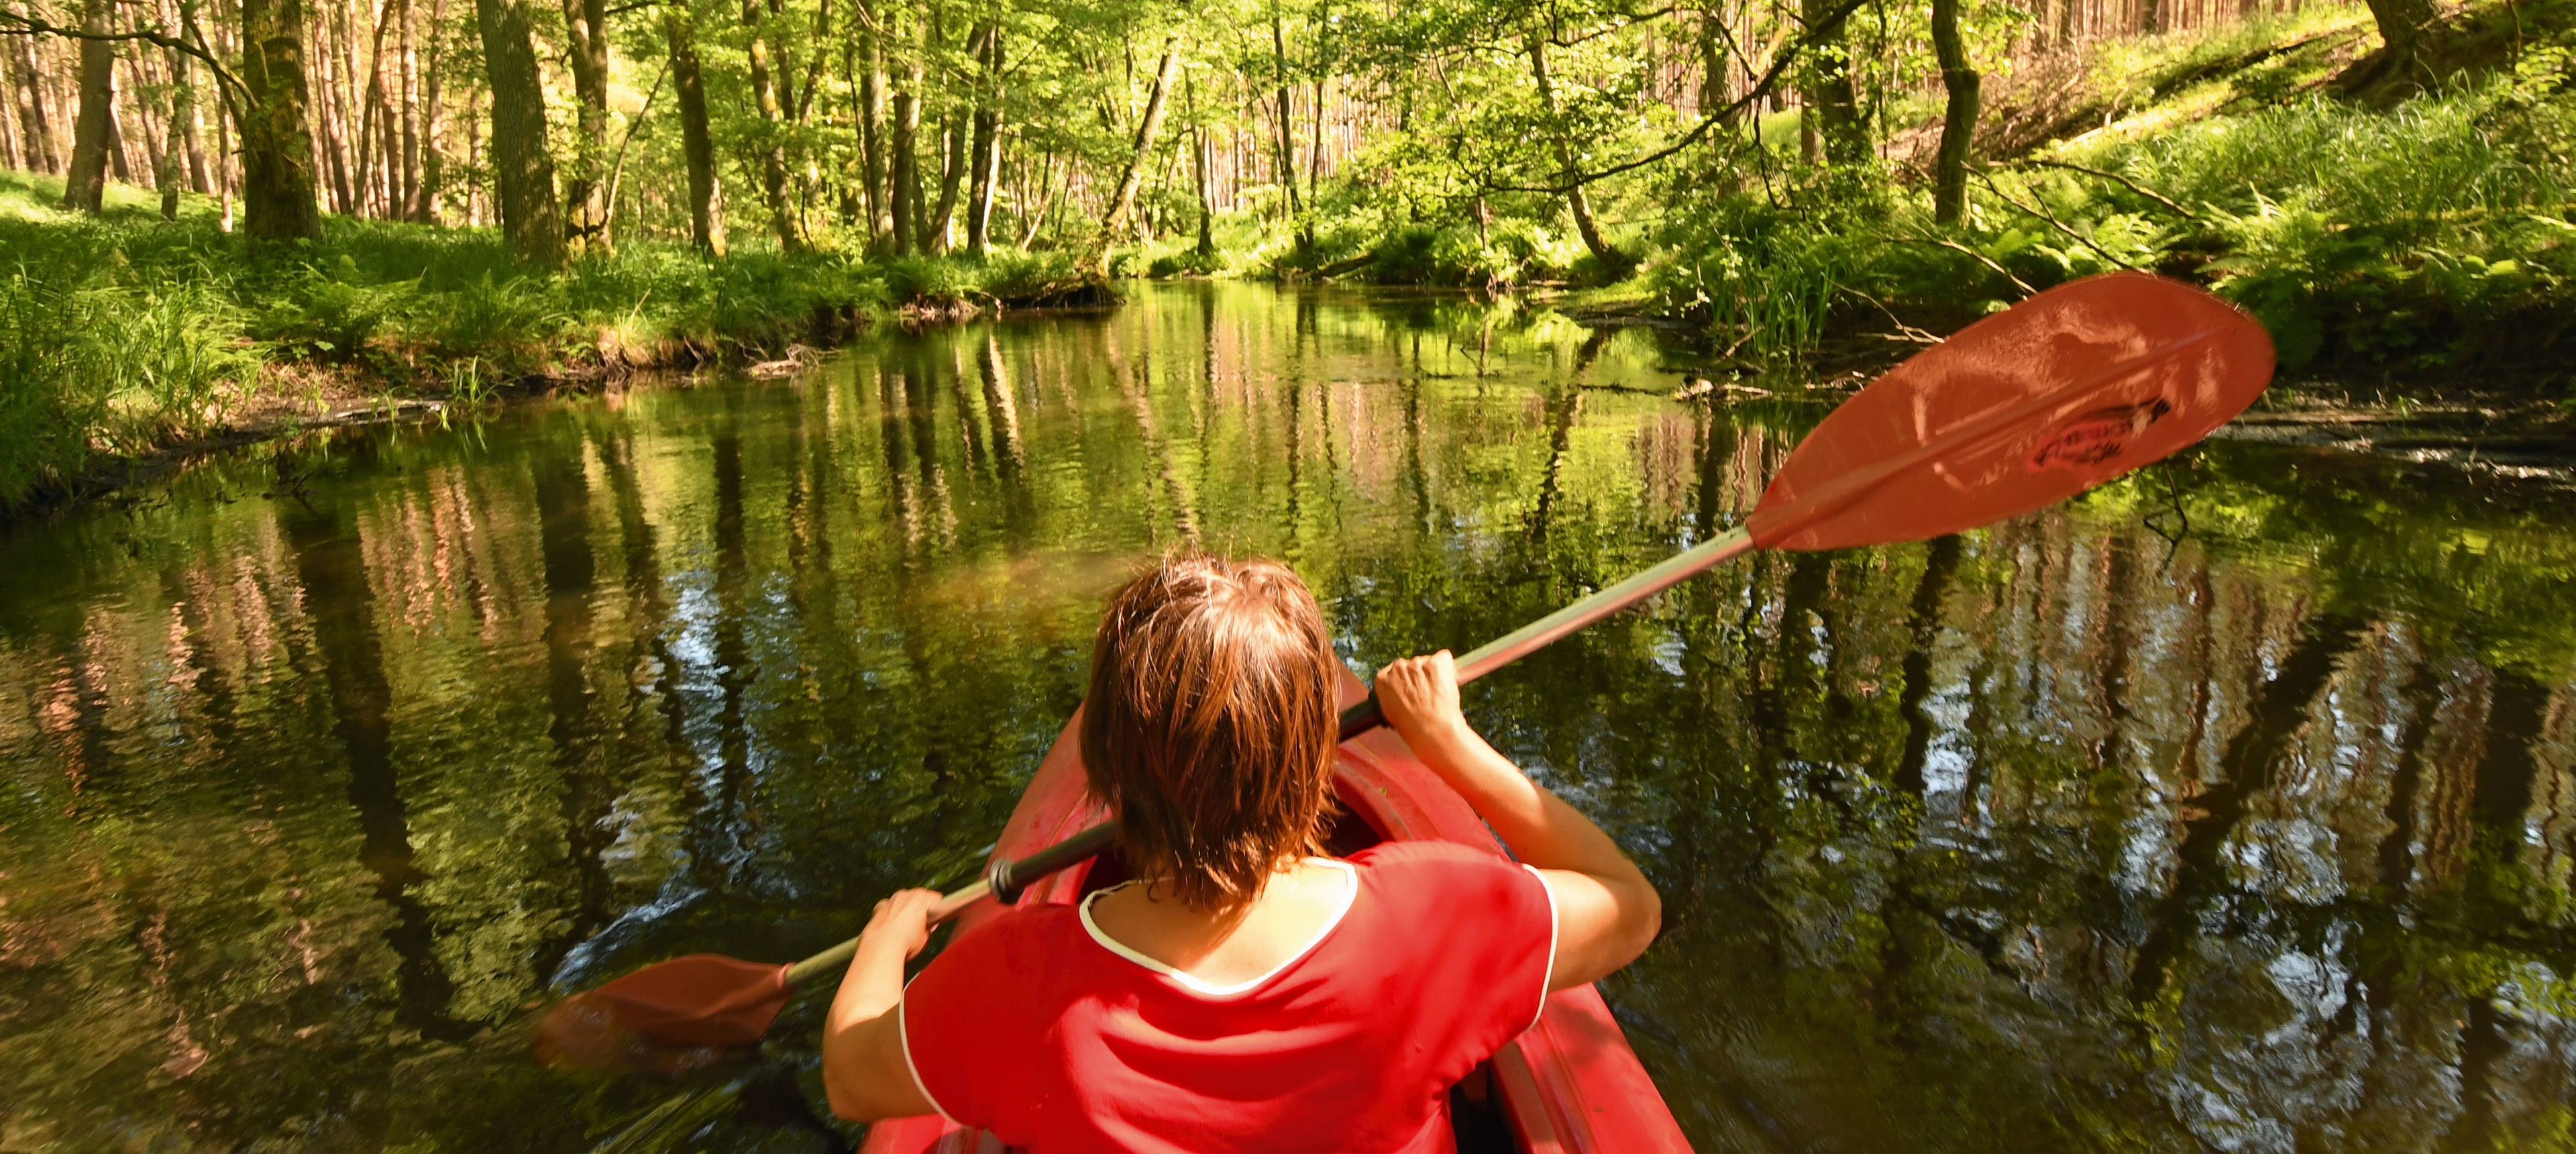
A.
x: 1570, y: 1085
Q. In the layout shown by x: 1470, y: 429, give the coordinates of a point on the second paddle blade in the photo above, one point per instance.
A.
x: 2018, y: 411
x: 666, y: 1017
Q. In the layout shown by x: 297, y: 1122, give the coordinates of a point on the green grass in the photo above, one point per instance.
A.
x: 2432, y: 236
x: 121, y: 334
x: 2434, y: 233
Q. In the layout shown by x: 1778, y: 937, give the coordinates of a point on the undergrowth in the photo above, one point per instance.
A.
x: 2431, y: 235
x: 2426, y: 235
x: 123, y: 333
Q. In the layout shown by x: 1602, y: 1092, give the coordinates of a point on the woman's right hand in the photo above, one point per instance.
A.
x: 1419, y: 696
x: 902, y: 922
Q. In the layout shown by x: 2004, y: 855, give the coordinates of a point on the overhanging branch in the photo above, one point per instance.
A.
x: 13, y: 24
x: 1770, y: 80
x: 1629, y: 22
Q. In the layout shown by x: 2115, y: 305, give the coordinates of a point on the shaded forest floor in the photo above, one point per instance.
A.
x: 127, y: 341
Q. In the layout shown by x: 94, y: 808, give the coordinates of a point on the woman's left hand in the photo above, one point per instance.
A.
x: 865, y: 1072
x: 902, y: 922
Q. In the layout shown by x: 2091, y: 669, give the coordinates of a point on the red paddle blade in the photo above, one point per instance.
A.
x: 664, y: 1018
x: 2018, y: 411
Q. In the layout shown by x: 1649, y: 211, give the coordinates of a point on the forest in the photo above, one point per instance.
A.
x: 234, y: 214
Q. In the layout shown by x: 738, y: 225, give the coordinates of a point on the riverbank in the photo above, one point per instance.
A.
x: 126, y: 340
x: 2410, y: 242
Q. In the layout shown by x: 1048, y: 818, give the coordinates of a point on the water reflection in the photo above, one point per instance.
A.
x: 2228, y: 808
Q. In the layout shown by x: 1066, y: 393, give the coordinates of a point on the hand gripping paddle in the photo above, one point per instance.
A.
x: 2016, y: 412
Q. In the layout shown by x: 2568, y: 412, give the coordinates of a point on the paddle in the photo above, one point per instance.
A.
x: 2018, y: 411
x: 689, y: 1011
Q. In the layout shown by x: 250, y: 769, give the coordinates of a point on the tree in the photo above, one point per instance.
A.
x: 85, y: 181
x: 1577, y: 202
x: 1958, y: 118
x: 868, y: 69
x: 987, y: 151
x: 1287, y: 152
x: 697, y: 142
x: 1115, y: 217
x: 183, y: 100
x: 433, y: 160
x: 2404, y: 29
x: 1199, y: 168
x: 523, y: 171
x: 904, y: 159
x: 771, y: 143
x: 1832, y: 102
x: 278, y: 200
x: 586, y: 51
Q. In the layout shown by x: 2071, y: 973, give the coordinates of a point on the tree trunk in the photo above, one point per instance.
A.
x: 1315, y: 155
x: 332, y: 146
x: 473, y: 153
x: 1712, y: 60
x: 174, y: 156
x: 2398, y: 68
x: 1044, y: 203
x: 148, y: 137
x: 333, y: 118
x: 1287, y: 136
x: 224, y: 168
x: 906, y: 162
x: 849, y: 172
x: 1199, y: 167
x: 1134, y: 172
x: 390, y: 143
x: 187, y: 115
x: 1831, y: 103
x: 85, y: 182
x: 773, y: 149
x: 872, y: 122
x: 13, y: 143
x: 121, y: 158
x: 276, y: 146
x: 372, y: 159
x: 586, y: 50
x: 523, y: 173
x: 1576, y: 200
x: 987, y: 154
x: 33, y: 115
x: 407, y: 191
x: 952, y: 172
x: 433, y: 157
x: 1958, y: 120
x: 697, y: 144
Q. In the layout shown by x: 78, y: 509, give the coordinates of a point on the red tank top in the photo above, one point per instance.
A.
x: 1056, y: 1039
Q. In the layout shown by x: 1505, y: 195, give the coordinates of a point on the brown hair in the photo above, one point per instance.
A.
x: 1211, y: 724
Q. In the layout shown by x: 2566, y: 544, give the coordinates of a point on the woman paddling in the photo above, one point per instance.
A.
x: 1247, y: 994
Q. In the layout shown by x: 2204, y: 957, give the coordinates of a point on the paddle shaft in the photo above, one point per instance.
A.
x: 1006, y: 878
x: 1536, y: 635
x: 1003, y: 879
x: 2003, y: 421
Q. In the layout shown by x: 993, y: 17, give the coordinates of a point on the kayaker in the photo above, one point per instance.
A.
x: 1246, y: 993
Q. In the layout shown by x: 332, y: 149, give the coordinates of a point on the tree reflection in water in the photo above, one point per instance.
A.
x: 2226, y: 808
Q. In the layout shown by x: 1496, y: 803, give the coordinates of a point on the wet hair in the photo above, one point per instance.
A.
x: 1211, y: 724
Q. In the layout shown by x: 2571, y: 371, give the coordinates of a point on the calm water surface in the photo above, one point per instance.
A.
x: 2229, y: 808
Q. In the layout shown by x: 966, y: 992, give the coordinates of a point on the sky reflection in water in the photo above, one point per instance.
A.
x: 2228, y: 808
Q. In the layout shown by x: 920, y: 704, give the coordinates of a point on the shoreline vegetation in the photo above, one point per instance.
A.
x: 1789, y: 194
x: 126, y: 340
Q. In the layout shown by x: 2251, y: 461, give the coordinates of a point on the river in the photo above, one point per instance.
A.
x: 2229, y: 807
